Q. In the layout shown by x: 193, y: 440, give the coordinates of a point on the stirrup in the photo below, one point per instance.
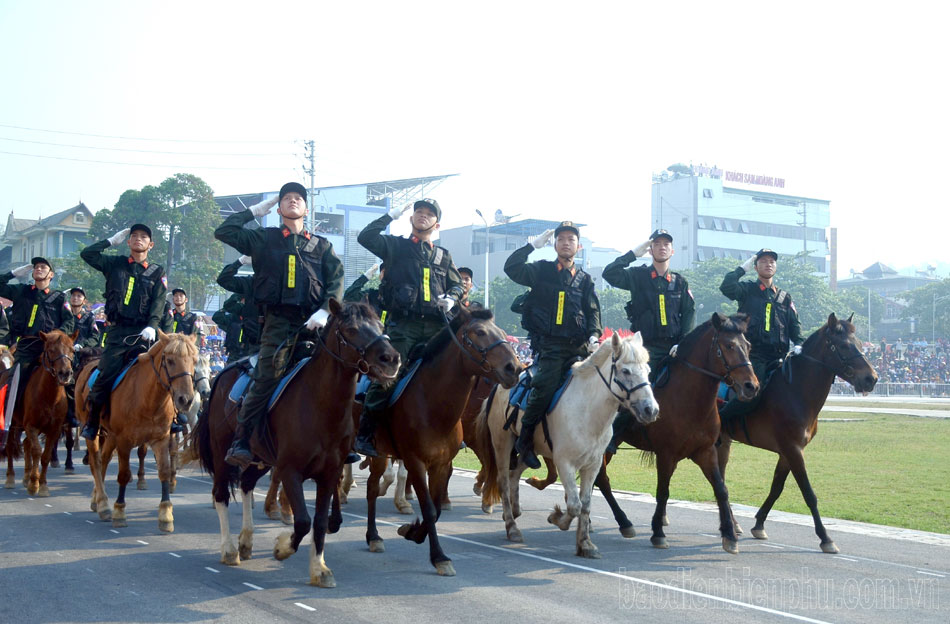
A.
x: 365, y: 447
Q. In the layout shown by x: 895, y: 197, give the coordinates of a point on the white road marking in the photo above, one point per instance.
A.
x: 212, y: 570
x: 930, y: 573
x: 47, y: 504
x: 90, y: 571
x: 775, y: 546
x: 844, y: 558
x: 90, y: 521
x: 175, y: 555
x: 599, y: 517
x: 141, y: 542
x: 253, y: 586
x: 303, y: 606
x: 114, y: 531
x: 67, y: 513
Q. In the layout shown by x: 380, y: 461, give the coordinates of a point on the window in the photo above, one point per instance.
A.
x: 728, y: 225
x: 707, y: 193
x: 79, y: 217
x: 717, y: 224
x: 701, y: 223
x: 743, y: 227
x: 701, y: 254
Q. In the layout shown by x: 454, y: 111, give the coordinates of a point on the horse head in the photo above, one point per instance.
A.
x: 729, y: 354
x: 841, y: 352
x: 203, y: 376
x: 358, y: 331
x: 486, y: 345
x: 57, y: 355
x: 174, y: 358
x: 629, y: 377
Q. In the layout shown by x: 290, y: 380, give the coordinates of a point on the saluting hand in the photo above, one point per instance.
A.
x: 395, y: 213
x: 118, y: 237
x: 22, y: 270
x: 371, y: 272
x: 263, y: 208
x: 748, y: 264
x: 642, y: 249
x: 244, y: 260
x: 542, y: 240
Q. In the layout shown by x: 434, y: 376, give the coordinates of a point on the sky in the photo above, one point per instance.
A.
x: 546, y: 109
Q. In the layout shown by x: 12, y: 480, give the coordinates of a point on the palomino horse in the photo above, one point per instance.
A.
x: 308, y: 434
x: 41, y: 411
x: 422, y: 427
x: 786, y: 418
x: 140, y: 411
x: 713, y: 352
x: 580, y: 426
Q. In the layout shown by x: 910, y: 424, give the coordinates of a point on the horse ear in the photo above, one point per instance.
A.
x: 851, y: 317
x: 637, y: 339
x: 43, y: 336
x: 832, y: 320
x: 615, y: 343
x: 74, y: 335
x: 717, y: 320
x: 335, y: 307
x: 162, y: 336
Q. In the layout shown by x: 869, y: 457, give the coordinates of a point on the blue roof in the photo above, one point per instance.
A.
x: 525, y: 227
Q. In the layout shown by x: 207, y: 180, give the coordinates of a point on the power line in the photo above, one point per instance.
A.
x: 125, y: 138
x: 122, y: 149
x: 170, y: 166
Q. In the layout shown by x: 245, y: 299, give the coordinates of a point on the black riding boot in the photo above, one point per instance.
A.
x: 622, y: 420
x: 71, y: 406
x: 240, y: 452
x: 524, y: 446
x: 91, y: 429
x: 364, y: 436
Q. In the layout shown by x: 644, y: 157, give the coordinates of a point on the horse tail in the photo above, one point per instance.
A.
x: 486, y: 451
x: 202, y: 439
x: 648, y: 459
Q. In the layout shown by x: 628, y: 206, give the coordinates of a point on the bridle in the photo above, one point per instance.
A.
x: 49, y: 362
x: 847, y: 370
x: 727, y: 376
x: 483, y: 351
x: 171, y: 378
x: 361, y: 364
x: 607, y: 382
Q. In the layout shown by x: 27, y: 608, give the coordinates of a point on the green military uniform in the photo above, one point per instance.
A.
x: 295, y: 276
x: 561, y: 312
x: 773, y: 319
x: 135, y: 296
x: 4, y: 328
x: 356, y: 292
x: 243, y: 316
x: 88, y: 337
x: 167, y: 321
x: 33, y: 311
x: 417, y: 274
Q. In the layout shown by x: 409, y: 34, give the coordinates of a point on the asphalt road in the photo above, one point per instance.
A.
x: 59, y: 563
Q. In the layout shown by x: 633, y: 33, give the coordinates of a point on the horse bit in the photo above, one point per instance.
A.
x: 725, y: 378
x: 613, y: 371
x: 483, y: 351
x: 362, y: 366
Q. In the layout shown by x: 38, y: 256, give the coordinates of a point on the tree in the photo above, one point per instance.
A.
x: 503, y: 292
x: 928, y: 305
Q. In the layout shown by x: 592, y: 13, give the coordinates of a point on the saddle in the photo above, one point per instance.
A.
x: 733, y: 412
x: 243, y: 382
x: 518, y: 401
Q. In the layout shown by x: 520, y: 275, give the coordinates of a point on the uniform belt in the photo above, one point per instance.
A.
x: 287, y: 311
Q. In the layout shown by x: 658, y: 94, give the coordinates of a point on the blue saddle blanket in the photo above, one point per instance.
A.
x: 519, y: 394
x: 362, y: 385
x: 239, y: 389
x: 118, y: 380
x: 404, y: 381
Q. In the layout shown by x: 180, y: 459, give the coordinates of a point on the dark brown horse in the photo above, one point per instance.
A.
x: 308, y: 434
x: 41, y: 411
x: 688, y: 426
x: 785, y: 420
x: 422, y: 428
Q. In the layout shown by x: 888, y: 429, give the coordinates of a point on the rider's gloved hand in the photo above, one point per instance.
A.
x: 642, y: 248
x: 795, y: 350
x: 317, y: 319
x: 445, y: 303
x: 592, y: 343
x: 148, y: 334
x: 21, y: 271
x: 748, y: 264
x: 118, y: 237
x: 244, y: 260
x: 263, y: 208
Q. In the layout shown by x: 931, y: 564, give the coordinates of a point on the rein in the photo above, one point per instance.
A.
x: 483, y: 351
x: 847, y: 369
x: 627, y: 391
x: 727, y: 377
x: 48, y: 363
x: 362, y: 366
x: 158, y: 375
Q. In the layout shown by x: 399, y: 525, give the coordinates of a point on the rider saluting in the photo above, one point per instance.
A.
x: 562, y: 313
x: 773, y: 319
x: 420, y: 281
x: 661, y: 306
x: 135, y: 298
x: 295, y: 275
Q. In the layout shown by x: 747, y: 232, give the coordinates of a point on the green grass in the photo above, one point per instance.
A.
x: 890, y: 470
x: 923, y: 405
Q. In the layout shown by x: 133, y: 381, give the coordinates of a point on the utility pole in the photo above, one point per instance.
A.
x: 804, y: 224
x: 310, y: 154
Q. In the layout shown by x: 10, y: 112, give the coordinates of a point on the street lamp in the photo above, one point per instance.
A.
x: 487, y: 245
x: 933, y: 316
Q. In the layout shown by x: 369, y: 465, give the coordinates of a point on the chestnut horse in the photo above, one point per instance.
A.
x: 785, y: 420
x: 140, y: 411
x: 308, y: 433
x: 41, y: 411
x: 422, y: 428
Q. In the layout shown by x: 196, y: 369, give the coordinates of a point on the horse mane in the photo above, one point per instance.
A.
x: 57, y: 337
x: 179, y: 344
x: 627, y: 348
x: 843, y: 326
x: 730, y: 325
x: 441, y: 340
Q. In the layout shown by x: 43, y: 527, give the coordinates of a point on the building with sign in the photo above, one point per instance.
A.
x: 710, y: 216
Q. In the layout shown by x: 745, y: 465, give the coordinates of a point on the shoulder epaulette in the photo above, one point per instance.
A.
x: 152, y: 268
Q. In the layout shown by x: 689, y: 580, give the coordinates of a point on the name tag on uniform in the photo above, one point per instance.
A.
x: 426, y: 294
x: 382, y: 317
x: 559, y: 320
x: 241, y: 335
x: 128, y: 290
x: 291, y: 271
x: 33, y: 315
x: 174, y: 327
x: 663, y: 310
x: 768, y: 317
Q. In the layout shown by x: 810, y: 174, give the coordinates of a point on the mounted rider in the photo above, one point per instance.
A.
x: 421, y: 284
x: 661, y: 306
x: 467, y: 284
x: 295, y: 275
x: 135, y: 298
x: 356, y: 292
x: 36, y: 308
x: 773, y: 319
x: 239, y: 316
x: 89, y: 337
x: 562, y: 314
x: 183, y: 320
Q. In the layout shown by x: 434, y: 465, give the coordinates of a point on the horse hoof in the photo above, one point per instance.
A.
x: 377, y: 546
x: 589, y: 553
x: 447, y: 506
x: 760, y: 534
x: 30, y: 489
x: 282, y: 547
x: 230, y: 558
x: 119, y: 522
x: 488, y: 509
x: 43, y: 492
x: 405, y: 510
x: 445, y: 568
x: 830, y: 548
x: 166, y: 519
x: 54, y: 463
x: 105, y: 515
x: 628, y: 532
x: 70, y: 470
x: 287, y: 518
x: 730, y: 546
x: 324, y: 579
x: 477, y: 489
x: 738, y: 528
x: 244, y: 551
x: 659, y: 542
x: 272, y: 513
x: 403, y: 530
x: 665, y: 520
x: 141, y: 485
x: 10, y: 484
x: 535, y: 482
x: 515, y: 536
x: 409, y: 495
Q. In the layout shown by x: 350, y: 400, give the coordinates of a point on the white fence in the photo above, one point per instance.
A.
x: 841, y: 388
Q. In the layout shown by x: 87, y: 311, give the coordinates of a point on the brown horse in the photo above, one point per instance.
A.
x: 786, y: 418
x: 308, y: 434
x: 41, y: 411
x: 422, y: 428
x: 689, y: 423
x: 140, y: 411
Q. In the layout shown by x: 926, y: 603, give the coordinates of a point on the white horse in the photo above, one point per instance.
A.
x: 580, y: 427
x: 401, y: 496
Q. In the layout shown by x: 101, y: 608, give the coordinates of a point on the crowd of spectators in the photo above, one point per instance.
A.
x: 910, y: 362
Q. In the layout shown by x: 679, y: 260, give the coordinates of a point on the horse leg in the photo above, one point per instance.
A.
x: 549, y: 478
x: 173, y: 462
x: 400, y: 494
x: 388, y: 477
x: 707, y: 460
x: 603, y: 484
x: 45, y: 460
x: 11, y: 474
x: 507, y: 481
x: 665, y: 466
x: 166, y: 516
x: 446, y: 504
x: 288, y: 543
x: 142, y: 484
x: 54, y: 455
x: 249, y: 479
x: 346, y: 483
x: 286, y: 513
x: 320, y: 574
x: 585, y: 546
x: 377, y: 466
x: 778, y: 484
x: 70, y: 440
x: 563, y: 519
x: 31, y: 463
x: 270, y: 501
x: 99, y: 458
x: 125, y: 475
x: 430, y: 514
x: 796, y: 462
x: 402, y: 473
x: 722, y: 452
x: 336, y: 515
